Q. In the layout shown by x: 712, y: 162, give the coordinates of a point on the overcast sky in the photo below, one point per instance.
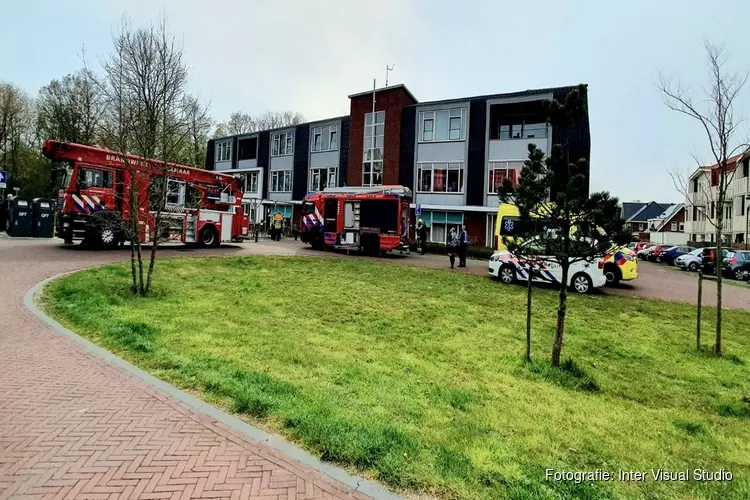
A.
x: 309, y: 55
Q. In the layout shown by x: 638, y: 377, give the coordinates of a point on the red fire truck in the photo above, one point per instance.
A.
x: 374, y: 220
x: 93, y: 205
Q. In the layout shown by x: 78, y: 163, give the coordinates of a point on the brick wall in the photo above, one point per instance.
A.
x: 392, y: 101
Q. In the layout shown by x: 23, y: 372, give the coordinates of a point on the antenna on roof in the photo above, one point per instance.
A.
x: 387, y: 70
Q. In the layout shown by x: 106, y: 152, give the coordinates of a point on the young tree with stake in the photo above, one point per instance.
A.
x: 568, y: 225
x: 715, y: 113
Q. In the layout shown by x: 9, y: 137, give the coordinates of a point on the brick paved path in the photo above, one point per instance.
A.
x: 74, y: 426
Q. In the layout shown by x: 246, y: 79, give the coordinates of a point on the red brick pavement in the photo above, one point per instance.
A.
x: 74, y: 426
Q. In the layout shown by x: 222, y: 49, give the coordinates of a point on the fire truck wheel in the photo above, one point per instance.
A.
x: 209, y: 237
x: 102, y: 231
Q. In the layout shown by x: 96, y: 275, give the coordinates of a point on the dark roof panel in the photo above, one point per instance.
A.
x: 510, y: 95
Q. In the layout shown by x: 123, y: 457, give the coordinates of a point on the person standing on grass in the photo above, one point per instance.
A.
x: 453, y: 244
x: 421, y: 235
x: 463, y: 247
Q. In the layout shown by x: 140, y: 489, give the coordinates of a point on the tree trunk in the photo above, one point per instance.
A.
x: 161, y: 199
x: 719, y: 266
x: 561, y: 310
x: 528, y: 316
x: 700, y: 307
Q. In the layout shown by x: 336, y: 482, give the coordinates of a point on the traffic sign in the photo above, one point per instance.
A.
x: 3, y: 178
x: 418, y: 211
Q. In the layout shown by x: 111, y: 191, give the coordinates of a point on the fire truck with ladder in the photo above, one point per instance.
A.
x: 93, y: 205
x: 374, y: 220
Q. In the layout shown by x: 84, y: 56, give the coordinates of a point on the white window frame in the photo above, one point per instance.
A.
x: 317, y: 140
x: 320, y: 171
x: 431, y: 116
x: 281, y: 176
x: 285, y: 140
x: 332, y: 131
x: 429, y: 166
x: 497, y: 165
x: 223, y: 151
x: 673, y: 226
x: 248, y: 182
x: 490, y: 232
x: 430, y: 236
x: 181, y: 190
x: 373, y: 148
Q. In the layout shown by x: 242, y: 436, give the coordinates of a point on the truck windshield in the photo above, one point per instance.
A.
x: 62, y: 173
x: 308, y: 208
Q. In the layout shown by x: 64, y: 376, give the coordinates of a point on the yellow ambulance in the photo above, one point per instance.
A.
x: 620, y: 263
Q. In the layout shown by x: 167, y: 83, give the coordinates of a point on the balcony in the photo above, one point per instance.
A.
x: 738, y: 187
x: 695, y: 227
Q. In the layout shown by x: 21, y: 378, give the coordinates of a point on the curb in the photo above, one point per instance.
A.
x: 272, y: 441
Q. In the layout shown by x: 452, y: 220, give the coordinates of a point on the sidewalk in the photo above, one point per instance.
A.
x: 74, y: 424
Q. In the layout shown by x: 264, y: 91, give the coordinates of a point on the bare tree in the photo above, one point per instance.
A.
x: 19, y: 142
x: 243, y: 123
x: 69, y: 109
x: 715, y: 113
x: 148, y: 114
x: 198, y: 122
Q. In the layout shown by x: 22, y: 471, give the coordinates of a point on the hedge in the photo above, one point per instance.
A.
x: 474, y: 252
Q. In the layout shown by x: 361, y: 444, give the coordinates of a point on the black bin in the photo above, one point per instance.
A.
x: 44, y: 218
x: 20, y: 217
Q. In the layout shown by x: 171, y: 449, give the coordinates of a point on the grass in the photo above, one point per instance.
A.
x: 415, y: 377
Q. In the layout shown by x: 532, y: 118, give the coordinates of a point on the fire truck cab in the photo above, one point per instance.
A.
x: 374, y: 220
x: 96, y: 187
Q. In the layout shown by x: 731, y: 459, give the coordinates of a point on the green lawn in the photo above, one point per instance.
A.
x: 414, y: 376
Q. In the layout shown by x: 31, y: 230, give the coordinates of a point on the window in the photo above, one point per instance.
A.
x: 442, y: 125
x: 248, y: 149
x: 742, y: 205
x: 440, y: 177
x: 334, y: 138
x: 175, y: 192
x: 92, y: 178
x: 251, y: 182
x: 674, y: 226
x: 223, y: 151
x: 641, y: 227
x: 439, y: 224
x: 321, y: 178
x: 281, y: 181
x: 283, y: 144
x: 325, y: 138
x: 499, y: 170
x: 682, y: 227
x: 372, y: 161
x: 520, y: 130
x: 317, y: 138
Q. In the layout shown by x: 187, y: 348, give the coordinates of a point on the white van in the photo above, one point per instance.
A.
x: 583, y: 277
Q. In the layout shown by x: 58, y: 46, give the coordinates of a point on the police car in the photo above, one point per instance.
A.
x: 583, y: 276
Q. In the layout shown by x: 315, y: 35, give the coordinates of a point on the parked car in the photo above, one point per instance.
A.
x: 644, y: 252
x: 738, y: 266
x: 583, y: 276
x: 671, y: 254
x: 642, y: 245
x: 690, y: 261
x: 655, y: 256
x: 708, y: 259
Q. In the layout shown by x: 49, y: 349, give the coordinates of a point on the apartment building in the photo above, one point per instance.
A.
x: 702, y: 209
x: 453, y: 154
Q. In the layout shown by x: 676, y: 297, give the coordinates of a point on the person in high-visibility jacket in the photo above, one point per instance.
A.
x: 277, y: 221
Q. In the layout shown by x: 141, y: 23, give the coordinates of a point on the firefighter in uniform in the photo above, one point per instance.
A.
x: 277, y: 221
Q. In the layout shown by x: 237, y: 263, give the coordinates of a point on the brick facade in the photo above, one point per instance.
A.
x: 392, y: 101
